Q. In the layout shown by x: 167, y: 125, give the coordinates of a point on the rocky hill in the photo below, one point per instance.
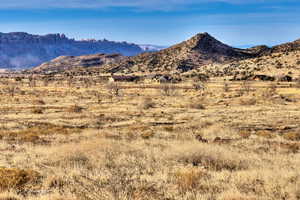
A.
x: 200, y: 50
x: 277, y: 61
x: 23, y: 50
x: 277, y: 64
x: 64, y: 63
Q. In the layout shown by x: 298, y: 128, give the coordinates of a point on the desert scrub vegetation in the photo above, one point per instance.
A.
x: 144, y: 144
x: 35, y: 133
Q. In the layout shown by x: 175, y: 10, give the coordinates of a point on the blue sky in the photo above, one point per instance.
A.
x: 161, y: 22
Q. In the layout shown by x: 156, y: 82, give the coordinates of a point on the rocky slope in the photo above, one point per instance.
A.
x: 277, y: 61
x: 275, y: 64
x: 198, y: 51
x: 64, y: 63
x: 23, y: 50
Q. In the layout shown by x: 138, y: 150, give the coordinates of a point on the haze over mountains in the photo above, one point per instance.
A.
x: 150, y: 47
x: 23, y: 50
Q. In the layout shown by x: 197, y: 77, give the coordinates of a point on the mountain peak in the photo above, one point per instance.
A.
x: 199, y: 38
x: 205, y: 43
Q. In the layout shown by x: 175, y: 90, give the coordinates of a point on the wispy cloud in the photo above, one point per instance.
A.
x: 143, y: 4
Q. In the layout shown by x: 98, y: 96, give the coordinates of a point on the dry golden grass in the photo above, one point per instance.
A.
x: 140, y: 142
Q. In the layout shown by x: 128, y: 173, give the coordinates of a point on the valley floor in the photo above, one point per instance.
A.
x: 230, y: 141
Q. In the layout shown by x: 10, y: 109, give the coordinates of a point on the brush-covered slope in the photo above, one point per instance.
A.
x: 280, y: 60
x: 198, y: 51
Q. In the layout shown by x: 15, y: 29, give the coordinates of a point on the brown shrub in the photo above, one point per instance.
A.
x: 198, y: 106
x: 248, y: 101
x: 265, y: 134
x: 18, y: 179
x: 33, y: 134
x: 245, y: 134
x: 147, y: 134
x: 136, y: 131
x: 74, y: 109
x: 189, y: 179
x: 199, y: 86
x: 213, y: 158
x: 169, y: 128
x: 147, y: 103
x: 39, y: 102
x: 294, y: 136
x: 38, y: 110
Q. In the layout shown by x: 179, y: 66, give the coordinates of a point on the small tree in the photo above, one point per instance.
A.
x: 113, y: 88
x: 32, y: 82
x: 297, y: 85
x: 245, y: 88
x: 11, y: 90
x: 226, y: 87
x: 168, y: 89
x: 270, y: 91
x: 70, y: 81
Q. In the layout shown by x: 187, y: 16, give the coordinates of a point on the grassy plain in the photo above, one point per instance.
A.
x: 127, y: 141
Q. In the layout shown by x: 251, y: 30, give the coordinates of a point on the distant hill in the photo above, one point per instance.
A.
x: 277, y: 61
x: 22, y: 50
x: 64, y: 63
x: 200, y: 50
x: 273, y: 64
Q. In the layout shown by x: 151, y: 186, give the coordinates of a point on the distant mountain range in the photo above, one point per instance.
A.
x: 20, y: 50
